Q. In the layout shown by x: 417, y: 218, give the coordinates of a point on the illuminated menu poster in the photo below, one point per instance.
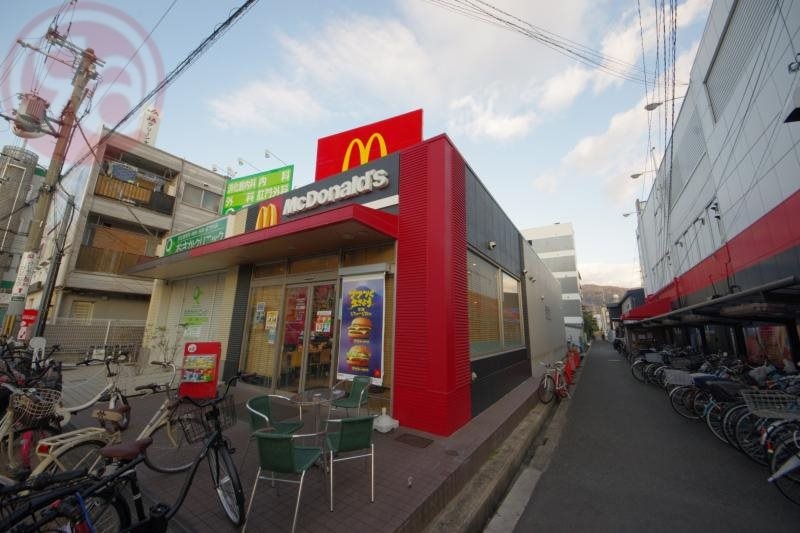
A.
x: 361, y: 335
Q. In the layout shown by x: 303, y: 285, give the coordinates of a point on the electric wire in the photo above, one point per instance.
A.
x: 193, y: 56
x: 136, y: 52
x: 580, y: 53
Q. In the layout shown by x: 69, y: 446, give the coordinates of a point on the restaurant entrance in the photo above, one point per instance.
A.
x: 305, y: 362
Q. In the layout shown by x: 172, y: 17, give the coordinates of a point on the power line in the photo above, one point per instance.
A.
x: 193, y: 56
x: 492, y: 15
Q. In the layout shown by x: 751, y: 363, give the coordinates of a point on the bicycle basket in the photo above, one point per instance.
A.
x: 772, y: 404
x: 32, y: 407
x: 197, y: 425
x: 677, y: 377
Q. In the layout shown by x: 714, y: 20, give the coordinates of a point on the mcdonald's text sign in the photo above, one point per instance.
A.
x: 342, y: 151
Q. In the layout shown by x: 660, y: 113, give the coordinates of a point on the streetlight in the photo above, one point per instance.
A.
x: 242, y: 161
x: 638, y: 174
x: 229, y: 172
x: 269, y: 154
x: 629, y: 213
x: 654, y: 105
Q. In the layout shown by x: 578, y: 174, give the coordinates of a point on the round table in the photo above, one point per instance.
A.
x: 315, y: 398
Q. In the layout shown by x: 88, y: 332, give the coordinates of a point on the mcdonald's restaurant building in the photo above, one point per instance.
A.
x: 404, y: 269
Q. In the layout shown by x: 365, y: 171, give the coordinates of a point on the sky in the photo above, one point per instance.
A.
x: 553, y: 140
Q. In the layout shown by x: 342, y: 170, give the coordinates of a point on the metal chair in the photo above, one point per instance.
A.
x: 359, y: 395
x: 354, y: 435
x: 278, y: 454
x: 261, y: 417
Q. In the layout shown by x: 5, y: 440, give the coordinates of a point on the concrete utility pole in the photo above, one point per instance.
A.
x: 85, y: 72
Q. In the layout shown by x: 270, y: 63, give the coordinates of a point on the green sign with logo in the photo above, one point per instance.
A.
x: 256, y: 188
x: 211, y: 232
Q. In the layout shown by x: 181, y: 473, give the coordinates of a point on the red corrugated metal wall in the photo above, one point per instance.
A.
x: 432, y: 370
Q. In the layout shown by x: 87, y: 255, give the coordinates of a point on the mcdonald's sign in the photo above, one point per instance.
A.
x: 268, y: 215
x: 343, y: 151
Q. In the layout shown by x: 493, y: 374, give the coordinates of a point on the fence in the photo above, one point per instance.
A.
x: 79, y: 337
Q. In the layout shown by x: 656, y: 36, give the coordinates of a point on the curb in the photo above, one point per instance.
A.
x: 498, y: 481
x: 474, y: 505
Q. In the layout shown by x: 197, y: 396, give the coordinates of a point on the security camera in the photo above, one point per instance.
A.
x: 492, y: 245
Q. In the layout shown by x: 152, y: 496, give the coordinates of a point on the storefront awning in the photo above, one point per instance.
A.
x: 777, y: 301
x: 349, y: 226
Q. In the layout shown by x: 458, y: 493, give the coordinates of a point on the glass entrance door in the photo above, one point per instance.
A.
x: 307, y: 337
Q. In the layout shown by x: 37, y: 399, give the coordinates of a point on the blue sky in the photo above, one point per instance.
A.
x: 553, y: 140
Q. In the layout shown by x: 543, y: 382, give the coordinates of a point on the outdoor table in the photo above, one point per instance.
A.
x: 315, y: 398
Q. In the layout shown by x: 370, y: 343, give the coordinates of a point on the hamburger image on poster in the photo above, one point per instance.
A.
x: 360, y: 329
x: 358, y: 358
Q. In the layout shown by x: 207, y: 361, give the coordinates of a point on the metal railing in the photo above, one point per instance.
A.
x: 131, y: 193
x: 79, y: 337
x: 93, y: 259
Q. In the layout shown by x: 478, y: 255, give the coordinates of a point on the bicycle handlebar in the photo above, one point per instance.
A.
x: 213, y: 401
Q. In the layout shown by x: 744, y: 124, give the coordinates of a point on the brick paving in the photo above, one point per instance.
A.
x: 412, y: 484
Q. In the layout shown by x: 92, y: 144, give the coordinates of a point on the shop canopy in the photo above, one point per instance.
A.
x: 349, y: 226
x: 777, y: 301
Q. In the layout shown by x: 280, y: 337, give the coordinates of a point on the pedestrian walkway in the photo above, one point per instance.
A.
x: 626, y: 462
x: 416, y: 474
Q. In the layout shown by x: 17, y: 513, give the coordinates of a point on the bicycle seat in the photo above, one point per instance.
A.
x: 127, y: 451
x: 725, y: 391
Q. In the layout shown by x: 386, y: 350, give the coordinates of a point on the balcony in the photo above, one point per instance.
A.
x: 134, y: 194
x: 91, y: 259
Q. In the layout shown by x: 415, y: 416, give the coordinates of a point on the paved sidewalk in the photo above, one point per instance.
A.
x: 415, y: 478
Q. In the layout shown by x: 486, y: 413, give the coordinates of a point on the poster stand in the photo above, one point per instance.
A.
x: 200, y: 370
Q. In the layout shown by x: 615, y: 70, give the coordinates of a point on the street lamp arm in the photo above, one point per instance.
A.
x: 653, y: 105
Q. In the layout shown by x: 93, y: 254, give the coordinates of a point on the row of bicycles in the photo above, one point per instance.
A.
x: 83, y: 479
x: 756, y: 410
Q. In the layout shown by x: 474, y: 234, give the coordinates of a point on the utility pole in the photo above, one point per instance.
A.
x: 85, y: 72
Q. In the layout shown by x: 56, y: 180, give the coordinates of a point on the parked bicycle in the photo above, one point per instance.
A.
x: 553, y: 383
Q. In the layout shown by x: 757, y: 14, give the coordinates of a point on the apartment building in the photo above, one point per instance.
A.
x: 127, y: 200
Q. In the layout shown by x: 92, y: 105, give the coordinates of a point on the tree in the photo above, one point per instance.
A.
x: 589, y: 322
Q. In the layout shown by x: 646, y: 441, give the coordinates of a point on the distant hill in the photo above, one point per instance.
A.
x: 600, y: 295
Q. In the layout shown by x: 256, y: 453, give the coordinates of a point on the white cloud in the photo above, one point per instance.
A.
x: 264, y: 105
x: 546, y: 183
x: 479, y: 120
x: 624, y: 274
x: 559, y: 91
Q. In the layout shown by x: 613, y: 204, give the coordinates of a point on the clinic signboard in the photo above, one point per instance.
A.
x: 207, y: 233
x: 248, y: 190
x: 361, y: 334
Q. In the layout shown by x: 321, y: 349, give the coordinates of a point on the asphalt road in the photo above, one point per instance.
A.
x: 625, y: 461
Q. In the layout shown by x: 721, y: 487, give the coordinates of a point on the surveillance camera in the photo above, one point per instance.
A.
x: 492, y: 245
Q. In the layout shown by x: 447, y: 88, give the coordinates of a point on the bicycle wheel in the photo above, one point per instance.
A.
x: 700, y: 401
x: 547, y: 389
x: 107, y: 513
x: 680, y: 399
x: 729, y: 421
x: 170, y: 451
x: 748, y: 436
x: 787, y: 459
x: 637, y: 370
x: 714, y: 416
x: 227, y: 483
x: 84, y: 454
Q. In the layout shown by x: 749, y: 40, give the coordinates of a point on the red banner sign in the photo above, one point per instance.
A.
x: 343, y: 151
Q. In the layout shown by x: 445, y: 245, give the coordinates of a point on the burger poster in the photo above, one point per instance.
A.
x: 361, y: 335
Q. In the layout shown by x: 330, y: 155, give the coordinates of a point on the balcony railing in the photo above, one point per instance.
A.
x: 131, y: 193
x: 93, y: 259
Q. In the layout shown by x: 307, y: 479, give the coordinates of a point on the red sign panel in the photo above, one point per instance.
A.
x: 200, y: 370
x: 26, y: 322
x: 343, y: 151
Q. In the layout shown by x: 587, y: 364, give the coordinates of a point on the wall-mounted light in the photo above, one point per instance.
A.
x: 492, y: 245
x: 525, y: 271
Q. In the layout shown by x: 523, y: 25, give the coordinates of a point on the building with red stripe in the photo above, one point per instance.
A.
x: 719, y: 234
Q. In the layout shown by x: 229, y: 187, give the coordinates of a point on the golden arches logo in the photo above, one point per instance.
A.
x: 267, y: 216
x: 363, y: 149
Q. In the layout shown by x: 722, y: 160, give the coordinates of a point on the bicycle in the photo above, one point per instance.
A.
x: 553, y: 382
x: 169, y: 453
x: 205, y: 423
x: 110, y: 392
x: 30, y: 414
